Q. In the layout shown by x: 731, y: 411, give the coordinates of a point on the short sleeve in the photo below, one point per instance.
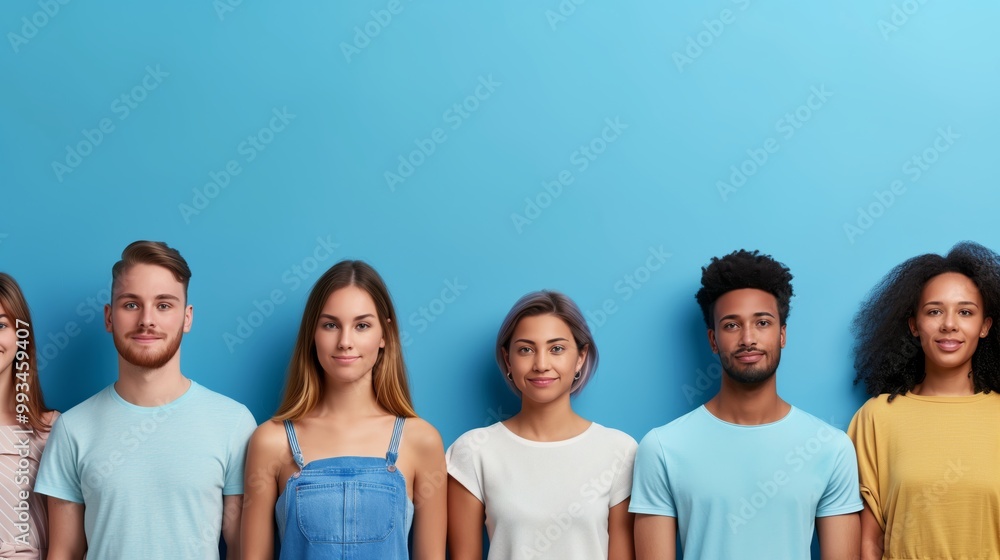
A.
x: 237, y: 454
x: 842, y: 495
x: 464, y: 462
x: 58, y: 475
x: 650, y: 481
x: 621, y: 486
x: 862, y: 433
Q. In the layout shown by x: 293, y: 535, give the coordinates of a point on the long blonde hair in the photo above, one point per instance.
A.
x: 16, y: 307
x: 305, y: 383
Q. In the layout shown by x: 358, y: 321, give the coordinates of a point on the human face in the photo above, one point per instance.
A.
x: 748, y: 336
x: 543, y: 358
x: 148, y: 316
x: 8, y: 342
x: 348, y: 335
x: 949, y: 322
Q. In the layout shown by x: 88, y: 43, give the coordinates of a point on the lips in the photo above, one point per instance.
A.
x: 145, y: 338
x: 948, y: 344
x: 345, y: 360
x: 542, y: 381
x: 749, y: 357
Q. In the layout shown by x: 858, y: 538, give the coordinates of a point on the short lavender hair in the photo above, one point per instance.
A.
x: 548, y: 302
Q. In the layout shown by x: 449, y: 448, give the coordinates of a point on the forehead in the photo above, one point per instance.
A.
x: 148, y: 279
x: 745, y: 302
x: 349, y: 301
x: 951, y: 284
x: 544, y: 327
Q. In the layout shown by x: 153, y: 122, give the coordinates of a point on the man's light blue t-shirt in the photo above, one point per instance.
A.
x: 151, y: 478
x: 745, y: 492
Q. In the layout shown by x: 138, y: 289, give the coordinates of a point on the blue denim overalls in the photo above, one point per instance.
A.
x: 344, y: 508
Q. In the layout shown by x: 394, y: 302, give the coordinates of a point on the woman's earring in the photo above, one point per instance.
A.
x: 510, y: 376
x: 576, y: 377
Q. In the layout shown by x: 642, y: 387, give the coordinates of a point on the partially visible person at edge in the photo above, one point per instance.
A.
x: 23, y: 522
x: 345, y: 467
x: 746, y: 476
x: 151, y: 467
x: 530, y: 479
x: 928, y: 440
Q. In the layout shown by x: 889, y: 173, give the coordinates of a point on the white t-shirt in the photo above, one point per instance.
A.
x: 545, y: 499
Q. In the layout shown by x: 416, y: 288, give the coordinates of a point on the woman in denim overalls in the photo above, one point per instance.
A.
x: 336, y: 468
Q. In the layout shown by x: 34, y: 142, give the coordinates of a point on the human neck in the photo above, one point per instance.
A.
x: 952, y: 382
x: 748, y: 405
x: 151, y: 387
x: 349, y: 400
x: 554, y: 421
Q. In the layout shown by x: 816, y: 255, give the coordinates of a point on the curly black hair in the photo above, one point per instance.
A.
x: 744, y: 269
x: 887, y: 357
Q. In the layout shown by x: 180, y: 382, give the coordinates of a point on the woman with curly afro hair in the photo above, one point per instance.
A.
x: 928, y: 441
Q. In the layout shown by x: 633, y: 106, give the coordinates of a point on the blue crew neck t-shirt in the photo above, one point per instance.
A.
x: 151, y: 478
x: 745, y: 492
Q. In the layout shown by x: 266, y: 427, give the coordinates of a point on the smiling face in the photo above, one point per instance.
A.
x: 747, y: 335
x: 543, y: 358
x: 949, y: 321
x: 348, y: 336
x: 8, y: 342
x: 148, y: 316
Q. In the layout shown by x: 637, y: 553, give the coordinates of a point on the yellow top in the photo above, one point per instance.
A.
x: 929, y: 469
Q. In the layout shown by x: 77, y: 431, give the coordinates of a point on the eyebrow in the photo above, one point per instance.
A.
x: 757, y: 314
x: 358, y: 318
x: 972, y: 303
x: 549, y: 341
x: 135, y: 296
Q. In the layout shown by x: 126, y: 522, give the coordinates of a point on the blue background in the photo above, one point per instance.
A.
x: 503, y: 99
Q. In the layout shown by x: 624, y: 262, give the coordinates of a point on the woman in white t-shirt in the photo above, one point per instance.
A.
x: 547, y: 483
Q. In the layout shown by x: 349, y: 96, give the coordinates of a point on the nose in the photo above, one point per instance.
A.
x: 344, y: 342
x: 747, y: 337
x: 948, y: 322
x: 146, y: 319
x: 541, y: 361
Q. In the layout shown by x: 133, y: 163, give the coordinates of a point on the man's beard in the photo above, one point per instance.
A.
x: 753, y: 375
x: 146, y: 358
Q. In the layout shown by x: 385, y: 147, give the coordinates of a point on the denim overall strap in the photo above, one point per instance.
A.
x: 294, y: 443
x: 393, y: 453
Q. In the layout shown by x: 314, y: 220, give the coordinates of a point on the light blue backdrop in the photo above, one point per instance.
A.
x: 473, y: 153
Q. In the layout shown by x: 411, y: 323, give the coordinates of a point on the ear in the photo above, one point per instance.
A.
x: 986, y: 327
x: 582, y: 357
x: 783, y: 335
x: 506, y: 359
x: 188, y: 318
x: 912, y: 322
x: 711, y: 341
x: 107, y: 317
